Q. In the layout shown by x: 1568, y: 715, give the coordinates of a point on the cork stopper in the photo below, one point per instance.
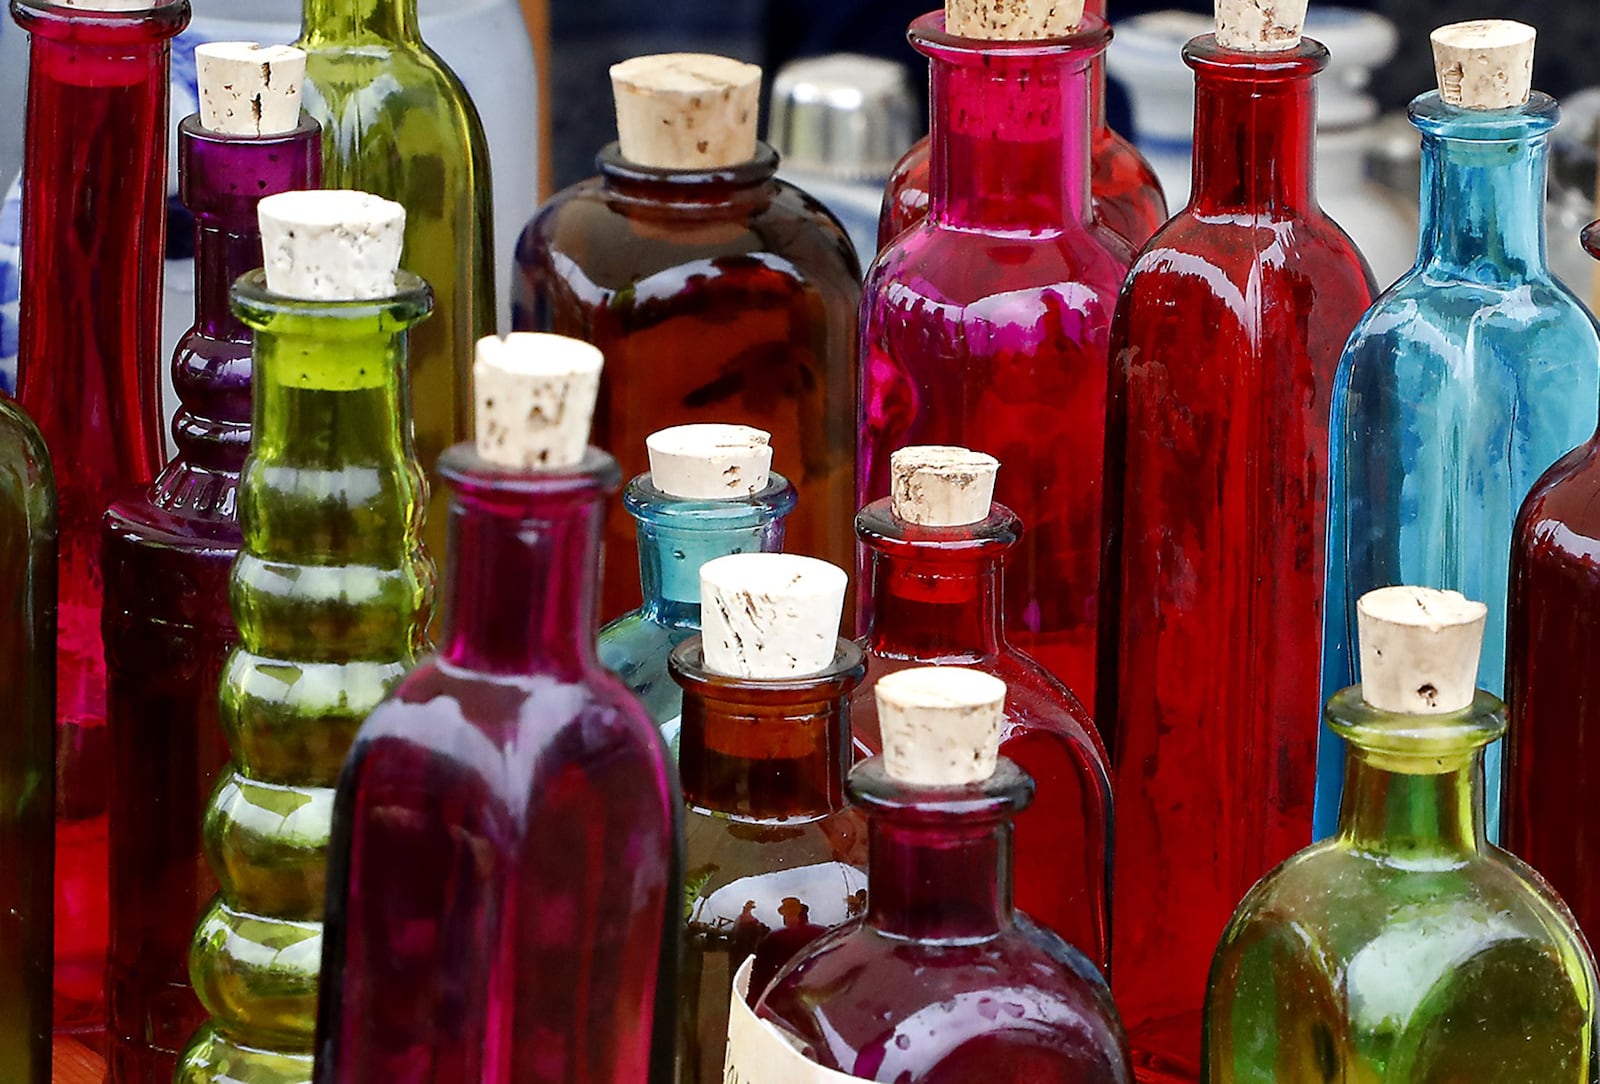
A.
x: 248, y: 89
x: 940, y: 724
x: 535, y: 398
x: 1487, y: 64
x: 331, y: 245
x: 710, y: 462
x: 1260, y: 26
x: 686, y: 110
x: 1012, y: 20
x: 770, y: 615
x: 938, y: 486
x: 1419, y: 649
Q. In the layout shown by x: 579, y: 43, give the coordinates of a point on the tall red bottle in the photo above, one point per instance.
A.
x: 1127, y: 196
x: 987, y: 324
x: 1224, y: 351
x: 94, y: 197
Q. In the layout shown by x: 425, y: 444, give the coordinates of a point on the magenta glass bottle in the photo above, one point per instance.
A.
x: 166, y: 557
x: 935, y: 595
x: 1126, y: 195
x: 1223, y: 357
x: 94, y: 199
x: 986, y: 325
x: 504, y: 881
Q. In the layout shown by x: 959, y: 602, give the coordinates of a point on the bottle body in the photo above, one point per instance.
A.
x: 1464, y: 383
x: 1405, y: 948
x: 87, y: 374
x: 505, y: 878
x: 330, y: 595
x: 724, y: 296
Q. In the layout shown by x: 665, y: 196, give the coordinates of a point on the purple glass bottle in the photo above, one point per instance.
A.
x: 504, y: 885
x: 166, y: 557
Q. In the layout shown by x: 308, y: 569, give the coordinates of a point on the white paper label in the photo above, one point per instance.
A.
x: 758, y: 1053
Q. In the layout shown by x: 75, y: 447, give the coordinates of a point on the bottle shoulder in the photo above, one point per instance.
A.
x: 406, y: 93
x: 1560, y: 519
x: 1424, y: 314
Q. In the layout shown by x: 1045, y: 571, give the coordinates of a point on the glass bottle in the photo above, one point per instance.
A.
x: 94, y: 219
x: 773, y: 856
x: 1406, y: 947
x: 1223, y: 358
x: 986, y: 325
x: 676, y: 536
x: 505, y: 869
x: 1552, y: 644
x: 27, y: 746
x: 166, y: 557
x: 936, y: 599
x: 718, y: 294
x: 398, y: 123
x: 1124, y: 190
x: 941, y: 979
x: 331, y: 593
x: 1463, y: 384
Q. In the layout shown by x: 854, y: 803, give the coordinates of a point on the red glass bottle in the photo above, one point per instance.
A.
x: 986, y: 325
x: 1553, y: 677
x: 94, y: 199
x: 1224, y: 350
x: 1126, y: 195
x: 167, y: 555
x: 936, y: 600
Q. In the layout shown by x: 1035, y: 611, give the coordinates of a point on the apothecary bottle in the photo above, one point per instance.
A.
x: 1552, y: 666
x: 166, y: 556
x: 1406, y: 947
x: 1466, y: 381
x: 940, y: 940
x: 938, y: 550
x: 504, y: 885
x: 93, y: 229
x: 710, y: 493
x: 331, y: 595
x: 1224, y: 351
x: 986, y: 325
x: 773, y: 855
x: 717, y: 293
x: 398, y: 123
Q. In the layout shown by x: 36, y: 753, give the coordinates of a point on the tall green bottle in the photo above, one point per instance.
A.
x: 397, y: 122
x: 1406, y: 949
x: 331, y: 593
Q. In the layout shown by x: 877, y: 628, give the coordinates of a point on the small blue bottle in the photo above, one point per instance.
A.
x: 1462, y: 384
x: 710, y: 493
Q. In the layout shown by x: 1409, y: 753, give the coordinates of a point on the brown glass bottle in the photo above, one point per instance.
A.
x: 721, y: 295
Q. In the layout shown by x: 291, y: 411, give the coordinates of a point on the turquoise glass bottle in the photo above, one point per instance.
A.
x: 1462, y: 384
x: 1406, y: 949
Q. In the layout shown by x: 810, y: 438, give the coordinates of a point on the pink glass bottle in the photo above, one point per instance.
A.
x: 1126, y: 195
x: 504, y: 881
x: 986, y: 325
x: 94, y: 219
x: 942, y: 980
x: 1223, y: 357
x: 935, y: 599
x: 166, y: 558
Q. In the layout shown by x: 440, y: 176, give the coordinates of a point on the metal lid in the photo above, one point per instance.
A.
x: 843, y: 116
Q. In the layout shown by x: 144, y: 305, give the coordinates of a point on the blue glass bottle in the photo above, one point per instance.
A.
x: 1462, y: 384
x: 677, y: 536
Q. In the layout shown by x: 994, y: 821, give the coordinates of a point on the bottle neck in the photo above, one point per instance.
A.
x: 524, y: 562
x: 765, y: 750
x: 1483, y: 189
x: 670, y: 193
x: 330, y: 21
x: 1009, y: 129
x: 1099, y: 128
x: 1255, y: 129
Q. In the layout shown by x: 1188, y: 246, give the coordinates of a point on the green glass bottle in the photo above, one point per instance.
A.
x: 331, y: 593
x: 1405, y: 949
x: 397, y: 122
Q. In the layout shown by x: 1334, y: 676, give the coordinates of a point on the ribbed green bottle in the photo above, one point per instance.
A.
x: 397, y: 122
x: 331, y: 593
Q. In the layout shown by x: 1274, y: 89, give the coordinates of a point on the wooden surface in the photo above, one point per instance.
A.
x: 75, y: 1063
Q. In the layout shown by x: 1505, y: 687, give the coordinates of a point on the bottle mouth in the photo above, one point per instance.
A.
x: 1210, y: 59
x: 660, y: 510
x: 1431, y: 115
x: 847, y: 669
x: 879, y: 528
x: 970, y: 805
x: 1416, y: 744
x: 929, y: 37
x: 758, y: 170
